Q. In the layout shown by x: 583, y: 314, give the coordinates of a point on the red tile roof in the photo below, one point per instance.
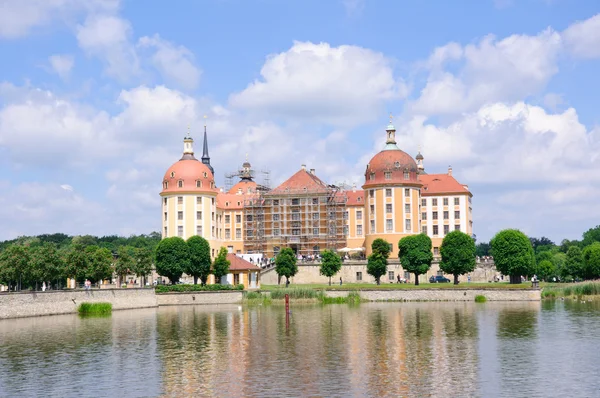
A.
x: 239, y: 264
x: 393, y: 161
x: 435, y: 184
x: 228, y: 201
x: 245, y: 187
x: 355, y: 198
x: 302, y: 179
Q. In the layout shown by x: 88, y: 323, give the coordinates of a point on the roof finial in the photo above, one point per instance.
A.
x: 246, y: 156
x: 205, y: 117
x: 391, y: 118
x: 188, y: 130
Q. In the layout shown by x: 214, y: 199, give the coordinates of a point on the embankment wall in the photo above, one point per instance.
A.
x: 18, y: 305
x: 193, y: 298
x: 432, y: 294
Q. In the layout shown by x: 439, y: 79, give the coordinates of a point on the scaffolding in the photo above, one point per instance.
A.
x: 308, y: 221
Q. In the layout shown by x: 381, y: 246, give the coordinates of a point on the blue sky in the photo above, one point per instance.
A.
x: 95, y: 97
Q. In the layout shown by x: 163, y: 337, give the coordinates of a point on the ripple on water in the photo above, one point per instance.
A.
x: 375, y: 349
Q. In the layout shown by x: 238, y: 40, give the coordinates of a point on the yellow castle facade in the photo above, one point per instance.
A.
x: 398, y: 198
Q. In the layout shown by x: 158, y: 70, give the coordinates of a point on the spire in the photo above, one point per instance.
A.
x: 390, y: 142
x: 205, y: 156
x: 188, y: 147
x: 420, y: 166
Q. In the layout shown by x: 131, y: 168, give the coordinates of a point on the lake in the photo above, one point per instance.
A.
x: 529, y: 349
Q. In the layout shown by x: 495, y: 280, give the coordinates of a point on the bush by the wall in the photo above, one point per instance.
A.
x: 196, y: 288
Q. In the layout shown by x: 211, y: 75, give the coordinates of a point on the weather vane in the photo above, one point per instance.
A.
x: 391, y: 117
x: 205, y: 117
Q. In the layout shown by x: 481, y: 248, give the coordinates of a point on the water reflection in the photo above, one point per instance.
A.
x: 375, y: 349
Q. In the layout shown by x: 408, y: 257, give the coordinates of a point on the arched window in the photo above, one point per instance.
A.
x: 198, y: 184
x: 180, y: 184
x: 166, y: 184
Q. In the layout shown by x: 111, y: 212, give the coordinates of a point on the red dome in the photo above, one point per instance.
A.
x: 247, y: 187
x: 188, y: 175
x: 394, y: 161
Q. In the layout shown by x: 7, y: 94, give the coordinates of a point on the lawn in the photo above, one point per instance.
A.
x: 372, y: 286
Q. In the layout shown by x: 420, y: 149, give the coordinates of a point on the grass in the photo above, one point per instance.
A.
x: 352, y: 298
x: 395, y: 286
x: 195, y: 288
x: 480, y: 299
x: 572, y: 290
x: 294, y: 293
x: 94, y: 309
x: 256, y: 298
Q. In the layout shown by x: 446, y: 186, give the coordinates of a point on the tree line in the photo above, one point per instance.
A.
x: 571, y: 260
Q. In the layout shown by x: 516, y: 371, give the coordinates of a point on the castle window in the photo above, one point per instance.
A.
x: 166, y: 184
x: 407, y: 192
x: 199, y: 230
x: 388, y: 208
x: 198, y: 184
x: 212, y: 184
x: 423, y: 202
x: 456, y: 201
x: 435, y: 230
x: 198, y: 200
x: 457, y: 214
x: 389, y: 225
x: 180, y: 231
x: 205, y: 175
x: 198, y: 215
x: 165, y: 201
x: 388, y: 192
x: 445, y: 201
x: 372, y: 176
x: 226, y: 204
x: 180, y: 200
x: 407, y: 225
x: 406, y: 175
x: 172, y: 174
x: 388, y: 175
x: 407, y: 208
x: 434, y: 202
x: 180, y: 215
x: 180, y: 184
x: 397, y: 164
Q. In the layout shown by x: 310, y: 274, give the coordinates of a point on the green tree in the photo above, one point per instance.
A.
x: 513, y: 254
x: 591, y: 261
x: 591, y: 235
x: 221, y: 265
x: 199, y: 259
x: 46, y: 262
x: 483, y: 249
x: 125, y: 263
x: 100, y: 263
x: 559, y: 260
x: 76, y: 262
x: 545, y: 270
x: 331, y: 263
x: 377, y: 261
x: 172, y: 257
x: 14, y: 265
x: 415, y: 254
x: 285, y: 264
x: 142, y: 263
x: 574, y: 264
x: 458, y: 254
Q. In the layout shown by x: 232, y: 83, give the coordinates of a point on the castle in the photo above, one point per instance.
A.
x: 398, y: 198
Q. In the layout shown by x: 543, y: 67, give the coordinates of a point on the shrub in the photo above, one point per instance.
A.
x: 295, y: 293
x: 480, y: 299
x: 196, y: 288
x: 94, y: 309
x: 254, y: 298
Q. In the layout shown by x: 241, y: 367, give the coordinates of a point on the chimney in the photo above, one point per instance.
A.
x: 303, y: 167
x: 312, y: 171
x: 450, y: 171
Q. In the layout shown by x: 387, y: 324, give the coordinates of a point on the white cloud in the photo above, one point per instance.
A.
x: 503, y: 143
x: 316, y: 82
x: 62, y: 64
x: 353, y: 7
x: 491, y: 70
x: 19, y: 17
x: 583, y: 38
x: 108, y: 38
x: 175, y: 63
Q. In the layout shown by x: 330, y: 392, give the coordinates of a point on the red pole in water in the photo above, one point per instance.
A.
x: 287, y: 311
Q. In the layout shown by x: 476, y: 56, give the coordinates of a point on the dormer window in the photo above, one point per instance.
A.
x: 406, y: 175
x: 388, y: 175
x: 205, y: 174
x: 180, y: 184
x: 166, y: 184
x: 212, y: 184
x: 372, y: 176
x: 397, y: 164
x: 239, y: 203
x: 358, y: 199
x: 172, y: 174
x: 226, y: 204
x: 198, y: 184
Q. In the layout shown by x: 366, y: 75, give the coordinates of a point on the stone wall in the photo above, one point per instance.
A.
x: 309, y: 273
x: 194, y: 298
x: 17, y: 305
x: 441, y: 294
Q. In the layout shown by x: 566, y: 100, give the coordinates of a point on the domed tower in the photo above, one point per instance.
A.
x: 392, y: 194
x: 246, y: 185
x: 189, y: 198
x: 420, y: 166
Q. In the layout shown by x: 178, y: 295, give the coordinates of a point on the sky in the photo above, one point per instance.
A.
x: 97, y: 95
